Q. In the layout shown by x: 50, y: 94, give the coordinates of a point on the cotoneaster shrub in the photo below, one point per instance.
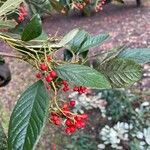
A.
x: 47, y: 97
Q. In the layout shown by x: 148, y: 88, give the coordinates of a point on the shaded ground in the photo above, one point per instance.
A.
x: 126, y: 24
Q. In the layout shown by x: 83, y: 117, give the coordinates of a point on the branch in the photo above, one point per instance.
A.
x: 10, y: 55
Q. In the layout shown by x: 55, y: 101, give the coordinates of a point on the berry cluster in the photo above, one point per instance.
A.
x: 22, y: 13
x: 65, y: 86
x: 46, y: 71
x: 72, y: 121
x: 80, y: 89
x: 81, y: 5
x: 99, y: 6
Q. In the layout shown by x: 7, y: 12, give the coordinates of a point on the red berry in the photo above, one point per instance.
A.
x: 39, y: 75
x: 65, y: 106
x: 72, y: 103
x: 72, y: 129
x: 48, y: 78
x: 64, y: 83
x: 67, y: 130
x: 58, y: 122
x: 66, y: 88
x: 68, y: 122
x: 80, y: 124
x: 75, y: 88
x: 43, y: 67
x: 53, y: 74
x: 84, y: 116
x: 54, y: 118
x: 49, y: 57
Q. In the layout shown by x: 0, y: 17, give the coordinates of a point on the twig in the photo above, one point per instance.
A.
x: 10, y: 55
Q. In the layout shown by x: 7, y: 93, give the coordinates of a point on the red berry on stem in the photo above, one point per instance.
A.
x: 39, y: 75
x: 68, y: 122
x: 53, y: 74
x: 48, y: 78
x: 58, y: 122
x: 80, y: 124
x: 49, y: 57
x: 72, y: 129
x: 75, y: 88
x: 67, y: 130
x: 43, y: 67
x: 72, y: 103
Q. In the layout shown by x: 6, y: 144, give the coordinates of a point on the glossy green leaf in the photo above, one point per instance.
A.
x: 82, y: 75
x: 93, y: 41
x: 28, y: 118
x: 76, y: 43
x: 68, y: 37
x: 121, y: 72
x: 3, y: 139
x: 140, y: 55
x: 33, y: 29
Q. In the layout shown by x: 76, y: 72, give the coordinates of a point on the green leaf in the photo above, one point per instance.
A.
x: 68, y: 37
x: 42, y: 37
x: 56, y: 5
x: 121, y: 72
x: 140, y: 55
x: 9, y: 5
x: 82, y: 75
x: 28, y: 118
x: 3, y: 139
x: 93, y: 41
x: 76, y: 43
x: 33, y: 29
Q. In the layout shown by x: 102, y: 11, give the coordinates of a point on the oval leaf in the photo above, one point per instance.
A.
x: 140, y: 55
x: 93, y: 41
x: 28, y: 118
x: 121, y: 72
x: 68, y: 37
x: 33, y: 29
x: 82, y: 75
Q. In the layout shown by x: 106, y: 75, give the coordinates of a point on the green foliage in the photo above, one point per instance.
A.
x: 33, y: 29
x: 119, y: 103
x: 121, y: 72
x: 28, y: 118
x: 39, y: 6
x: 82, y: 141
x: 93, y: 41
x: 76, y: 43
x: 82, y: 75
x: 68, y: 37
x: 140, y: 55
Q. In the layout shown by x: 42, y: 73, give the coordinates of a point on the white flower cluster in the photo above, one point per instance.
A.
x: 113, y: 135
x: 89, y: 102
x: 144, y: 138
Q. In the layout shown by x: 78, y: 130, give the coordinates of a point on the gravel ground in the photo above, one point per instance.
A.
x: 126, y: 24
